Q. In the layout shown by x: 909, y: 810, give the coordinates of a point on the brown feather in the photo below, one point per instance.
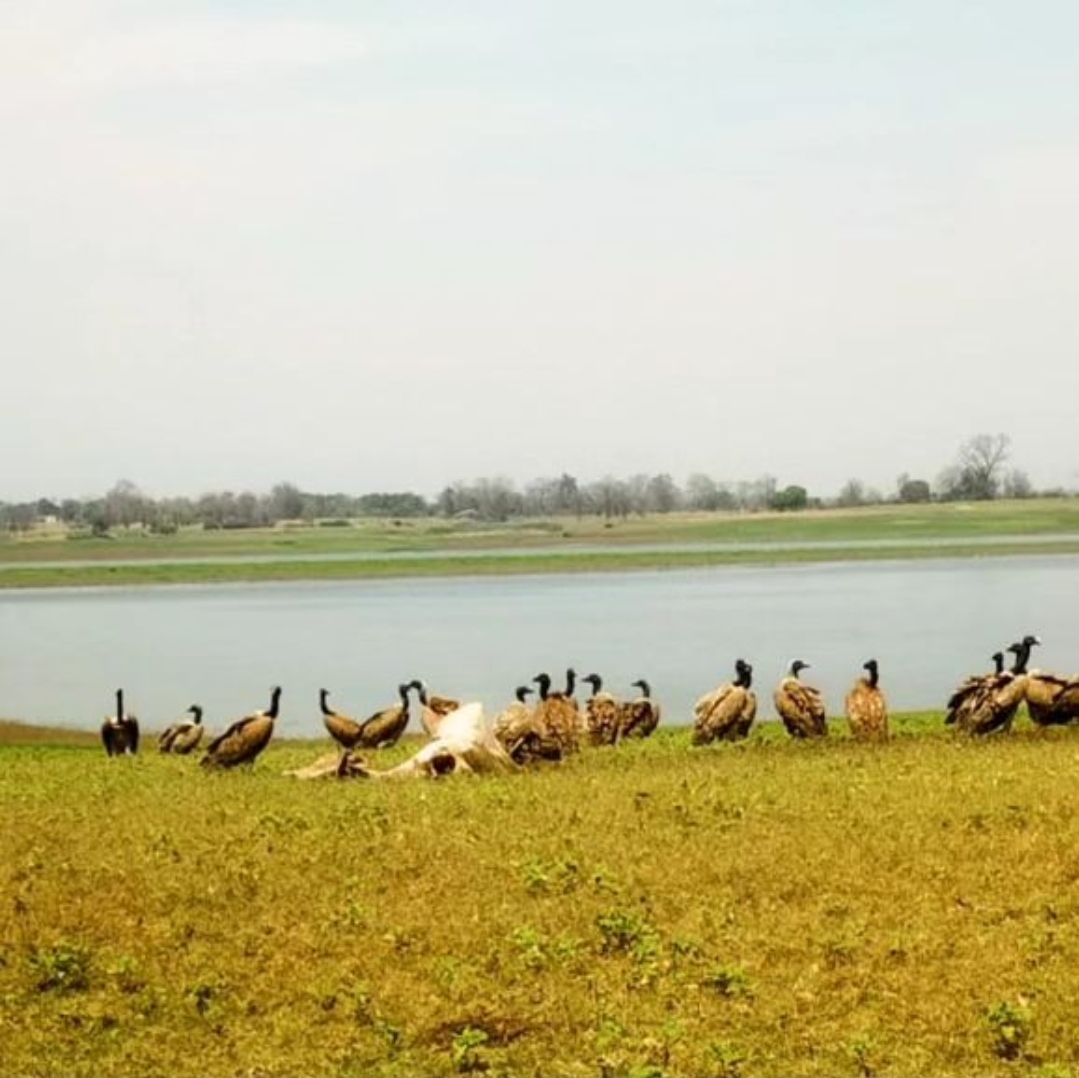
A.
x: 993, y: 706
x: 1052, y: 700
x: 244, y: 740
x: 602, y: 715
x: 182, y: 737
x: 725, y: 714
x: 559, y: 720
x: 867, y: 711
x: 639, y: 717
x: 384, y: 728
x: 800, y: 707
x: 342, y: 728
x: 867, y: 708
x: 557, y: 717
x: 433, y: 709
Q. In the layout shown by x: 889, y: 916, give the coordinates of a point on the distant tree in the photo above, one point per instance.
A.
x: 705, y: 494
x: 446, y: 503
x: 637, y: 490
x: 20, y: 517
x: 568, y: 495
x: 757, y: 494
x: 1017, y: 484
x: 125, y: 505
x: 246, y: 510
x: 541, y: 497
x: 853, y: 493
x: 496, y: 499
x: 391, y: 505
x: 71, y: 511
x: 286, y: 502
x: 790, y: 498
x: 726, y: 500
x: 662, y: 494
x: 976, y: 474
x: 702, y: 493
x: 211, y: 509
x: 608, y: 497
x: 912, y: 490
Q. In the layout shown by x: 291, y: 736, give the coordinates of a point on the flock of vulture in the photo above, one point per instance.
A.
x: 555, y: 724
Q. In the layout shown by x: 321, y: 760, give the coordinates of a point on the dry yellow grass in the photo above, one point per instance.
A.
x: 765, y: 908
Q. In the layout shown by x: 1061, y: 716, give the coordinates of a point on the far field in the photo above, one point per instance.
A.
x: 770, y: 908
x: 373, y: 548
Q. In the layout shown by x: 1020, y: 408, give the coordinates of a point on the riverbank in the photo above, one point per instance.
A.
x: 390, y: 549
x: 765, y: 908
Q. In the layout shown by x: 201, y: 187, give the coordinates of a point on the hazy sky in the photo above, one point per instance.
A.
x: 375, y: 246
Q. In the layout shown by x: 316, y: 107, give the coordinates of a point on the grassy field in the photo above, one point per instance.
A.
x: 768, y: 908
x: 558, y: 545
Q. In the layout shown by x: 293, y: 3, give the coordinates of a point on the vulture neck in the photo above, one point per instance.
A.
x: 1022, y: 657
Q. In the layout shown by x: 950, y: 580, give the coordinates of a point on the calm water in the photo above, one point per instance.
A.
x: 929, y: 623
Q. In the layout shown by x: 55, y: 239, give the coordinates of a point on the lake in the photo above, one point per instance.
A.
x: 929, y: 623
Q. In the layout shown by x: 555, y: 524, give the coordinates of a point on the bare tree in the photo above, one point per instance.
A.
x: 662, y: 494
x: 702, y: 492
x: 608, y: 496
x: 853, y: 493
x: 979, y: 466
x: 1017, y: 484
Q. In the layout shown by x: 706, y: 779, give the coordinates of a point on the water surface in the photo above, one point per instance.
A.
x: 929, y: 623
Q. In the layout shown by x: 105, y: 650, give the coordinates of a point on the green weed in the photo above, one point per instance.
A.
x: 64, y: 968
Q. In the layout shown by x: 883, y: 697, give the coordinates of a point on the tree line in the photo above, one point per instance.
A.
x: 980, y: 472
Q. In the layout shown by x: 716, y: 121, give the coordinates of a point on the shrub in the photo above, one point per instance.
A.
x: 64, y: 968
x: 1009, y: 1028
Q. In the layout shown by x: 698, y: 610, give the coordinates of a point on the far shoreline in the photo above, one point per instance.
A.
x: 371, y: 567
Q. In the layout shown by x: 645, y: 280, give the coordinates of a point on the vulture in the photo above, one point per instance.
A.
x: 465, y: 744
x: 385, y: 727
x: 242, y: 742
x: 800, y: 706
x: 993, y: 708
x: 509, y: 720
x: 120, y: 732
x: 601, y: 714
x: 962, y: 701
x: 867, y: 709
x: 522, y: 734
x: 1051, y: 700
x: 727, y: 712
x: 557, y: 713
x: 433, y: 709
x: 640, y: 717
x: 184, y: 735
x: 343, y: 729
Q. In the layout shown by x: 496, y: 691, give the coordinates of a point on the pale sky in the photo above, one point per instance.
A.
x: 389, y: 246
